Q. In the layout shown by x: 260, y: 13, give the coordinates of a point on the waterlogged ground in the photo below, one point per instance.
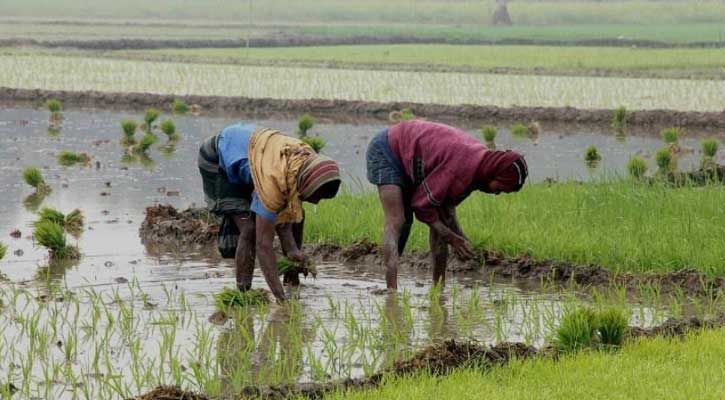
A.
x: 127, y: 317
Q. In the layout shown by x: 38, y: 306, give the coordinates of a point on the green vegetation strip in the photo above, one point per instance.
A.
x: 474, y: 57
x: 81, y: 74
x: 651, y: 368
x: 622, y: 226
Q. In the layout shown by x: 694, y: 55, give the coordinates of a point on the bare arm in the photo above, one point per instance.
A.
x: 267, y: 259
x: 450, y: 219
x: 460, y: 244
x: 288, y: 242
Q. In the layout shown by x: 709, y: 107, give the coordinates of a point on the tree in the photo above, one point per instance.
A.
x: 501, y: 15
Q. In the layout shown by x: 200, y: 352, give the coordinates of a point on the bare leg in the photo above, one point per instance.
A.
x: 439, y: 257
x: 391, y: 197
x: 246, y: 250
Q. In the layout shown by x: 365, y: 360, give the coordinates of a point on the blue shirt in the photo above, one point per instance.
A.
x: 233, y: 148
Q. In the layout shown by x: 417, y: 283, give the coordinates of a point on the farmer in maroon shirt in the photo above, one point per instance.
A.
x: 427, y: 169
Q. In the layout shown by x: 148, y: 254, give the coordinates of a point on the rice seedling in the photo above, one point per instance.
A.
x: 619, y: 119
x: 54, y: 130
x: 51, y: 215
x: 52, y: 236
x: 665, y: 161
x: 577, y: 330
x: 285, y: 265
x: 489, y: 134
x: 317, y: 143
x: 69, y: 158
x: 55, y: 108
x: 234, y: 298
x: 179, y: 106
x: 169, y: 129
x: 3, y: 250
x: 519, y: 130
x: 304, y: 124
x: 710, y: 147
x: 611, y: 325
x: 33, y: 177
x: 129, y: 132
x: 150, y: 116
x: 592, y: 156
x: 637, y: 167
x: 73, y: 222
x: 671, y: 135
x: 143, y: 146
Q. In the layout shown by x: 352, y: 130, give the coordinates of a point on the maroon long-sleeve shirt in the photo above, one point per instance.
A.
x: 440, y: 160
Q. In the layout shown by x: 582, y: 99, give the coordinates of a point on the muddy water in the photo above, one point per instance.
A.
x: 114, y: 194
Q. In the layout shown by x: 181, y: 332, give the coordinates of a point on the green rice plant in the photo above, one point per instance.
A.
x: 145, y: 143
x: 69, y: 158
x: 179, y: 107
x: 285, y: 265
x: 169, y: 129
x: 305, y: 123
x: 129, y: 132
x: 407, y: 114
x: 611, y: 325
x: 51, y: 215
x: 709, y: 151
x: 637, y: 167
x: 664, y: 160
x: 489, y: 133
x: 55, y: 107
x: 54, y: 130
x: 150, y: 116
x: 33, y: 177
x: 73, y: 222
x: 670, y: 135
x: 232, y: 298
x: 317, y: 143
x: 592, y: 155
x: 3, y: 250
x: 577, y: 330
x: 619, y: 119
x: 519, y: 130
x: 51, y: 236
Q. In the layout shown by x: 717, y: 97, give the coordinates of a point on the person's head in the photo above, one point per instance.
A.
x: 501, y: 172
x: 318, y: 179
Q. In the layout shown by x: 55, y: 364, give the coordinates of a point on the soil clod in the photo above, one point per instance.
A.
x: 171, y: 393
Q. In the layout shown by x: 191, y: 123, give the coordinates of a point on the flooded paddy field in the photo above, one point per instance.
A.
x: 128, y: 316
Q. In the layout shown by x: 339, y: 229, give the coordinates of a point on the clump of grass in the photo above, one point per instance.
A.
x: 169, y: 129
x: 33, y: 177
x: 619, y: 120
x: 664, y: 160
x: 68, y: 158
x: 709, y: 151
x: 73, y: 222
x: 52, y: 236
x: 145, y: 143
x: 179, y: 107
x: 129, y: 132
x: 637, y: 167
x: 519, y: 129
x: 578, y: 330
x: 670, y: 135
x: 234, y: 298
x: 489, y: 133
x: 317, y: 143
x: 3, y: 250
x: 285, y: 265
x: 150, y: 116
x: 592, y: 156
x: 611, y: 325
x: 51, y: 215
x: 305, y: 123
x: 55, y: 107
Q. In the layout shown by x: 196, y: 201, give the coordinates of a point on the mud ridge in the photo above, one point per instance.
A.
x: 164, y: 225
x: 301, y: 40
x: 438, y: 359
x: 380, y: 110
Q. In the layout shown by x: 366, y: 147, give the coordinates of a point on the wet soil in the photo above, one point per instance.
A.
x: 439, y: 359
x: 320, y: 107
x: 166, y: 226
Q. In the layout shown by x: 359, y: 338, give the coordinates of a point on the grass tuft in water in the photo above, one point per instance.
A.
x: 519, y: 130
x: 671, y: 135
x: 33, y: 177
x: 619, y: 119
x: 55, y: 107
x: 179, y: 107
x: 637, y: 167
x: 51, y: 236
x: 169, y: 129
x: 69, y: 158
x: 129, y: 132
x: 145, y: 143
x: 665, y: 161
x: 489, y: 133
x: 304, y: 124
x: 150, y: 116
x: 611, y: 325
x: 231, y: 298
x: 710, y: 147
x: 74, y: 222
x: 592, y: 156
x: 317, y: 143
x: 577, y: 330
x: 52, y: 215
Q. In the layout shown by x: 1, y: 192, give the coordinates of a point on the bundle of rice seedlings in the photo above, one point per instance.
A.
x: 150, y: 116
x: 52, y: 215
x: 285, y: 265
x: 145, y: 143
x: 179, y: 107
x: 234, y: 298
x: 619, y: 120
x: 33, y: 177
x: 665, y: 161
x: 578, y: 330
x: 55, y: 107
x: 611, y: 325
x: 74, y: 222
x: 709, y: 151
x: 3, y: 250
x: 670, y: 135
x: 519, y: 129
x: 592, y: 155
x: 489, y: 133
x: 637, y: 167
x: 129, y: 132
x: 317, y: 143
x: 51, y: 236
x: 169, y: 129
x: 305, y: 123
x: 69, y: 158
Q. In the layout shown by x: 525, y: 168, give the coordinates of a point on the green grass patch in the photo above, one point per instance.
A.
x: 621, y: 225
x: 651, y: 368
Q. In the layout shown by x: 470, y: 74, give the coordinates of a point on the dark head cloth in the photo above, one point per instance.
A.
x: 316, y: 173
x: 507, y: 167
